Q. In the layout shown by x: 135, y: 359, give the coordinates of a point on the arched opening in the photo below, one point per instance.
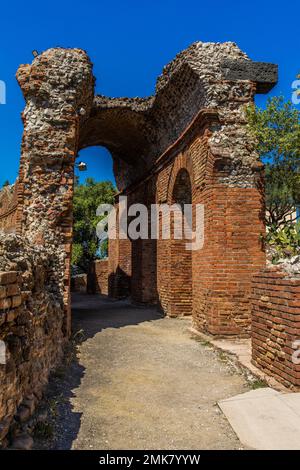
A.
x: 95, y: 265
x: 99, y: 163
x: 180, y: 303
x: 94, y: 185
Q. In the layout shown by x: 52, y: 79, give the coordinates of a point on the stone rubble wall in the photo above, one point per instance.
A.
x: 276, y: 325
x: 31, y: 328
x: 58, y: 88
x: 145, y: 136
x: 197, y: 121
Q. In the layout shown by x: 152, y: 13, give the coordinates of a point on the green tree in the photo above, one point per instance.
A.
x: 87, y: 197
x: 277, y: 133
x: 6, y: 183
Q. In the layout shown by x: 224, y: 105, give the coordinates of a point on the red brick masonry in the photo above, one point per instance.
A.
x: 276, y: 325
x: 98, y: 277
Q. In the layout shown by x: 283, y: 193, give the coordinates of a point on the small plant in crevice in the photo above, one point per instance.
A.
x: 257, y: 383
x: 284, y: 242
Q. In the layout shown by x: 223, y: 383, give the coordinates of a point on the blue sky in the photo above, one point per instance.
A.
x: 129, y: 42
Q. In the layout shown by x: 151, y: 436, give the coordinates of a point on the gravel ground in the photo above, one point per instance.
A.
x: 140, y: 381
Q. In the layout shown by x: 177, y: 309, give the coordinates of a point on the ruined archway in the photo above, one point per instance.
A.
x: 198, y: 109
x: 194, y: 126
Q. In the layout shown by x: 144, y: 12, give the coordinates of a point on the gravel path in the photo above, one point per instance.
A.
x: 141, y: 382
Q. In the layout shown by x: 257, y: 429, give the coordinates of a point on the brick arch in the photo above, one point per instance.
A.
x: 165, y: 181
x: 182, y: 162
x: 180, y: 269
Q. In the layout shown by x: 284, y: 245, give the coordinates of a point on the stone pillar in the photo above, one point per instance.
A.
x: 58, y: 89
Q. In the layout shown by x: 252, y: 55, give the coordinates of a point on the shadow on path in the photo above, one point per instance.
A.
x: 91, y: 314
x: 138, y: 381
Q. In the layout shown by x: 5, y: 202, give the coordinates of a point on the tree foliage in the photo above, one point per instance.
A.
x: 284, y: 242
x: 87, y: 198
x: 277, y: 132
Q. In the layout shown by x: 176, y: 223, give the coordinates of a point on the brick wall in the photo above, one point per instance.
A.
x: 214, y: 282
x: 98, y: 277
x: 119, y: 265
x: 231, y: 254
x: 276, y: 325
x: 31, y: 328
x: 181, y: 293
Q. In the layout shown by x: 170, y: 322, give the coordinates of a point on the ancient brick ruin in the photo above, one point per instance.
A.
x: 194, y: 125
x: 188, y: 143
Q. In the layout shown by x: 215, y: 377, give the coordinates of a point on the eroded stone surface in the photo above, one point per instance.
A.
x: 291, y: 266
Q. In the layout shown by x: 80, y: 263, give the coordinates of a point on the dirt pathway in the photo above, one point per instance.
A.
x: 142, y: 382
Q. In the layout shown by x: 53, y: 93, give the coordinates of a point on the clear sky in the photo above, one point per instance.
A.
x: 129, y: 42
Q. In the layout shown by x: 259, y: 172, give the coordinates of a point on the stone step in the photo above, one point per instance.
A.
x: 265, y: 419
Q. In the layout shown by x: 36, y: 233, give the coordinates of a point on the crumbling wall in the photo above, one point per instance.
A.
x: 144, y: 135
x: 196, y: 123
x: 31, y: 328
x: 35, y: 266
x: 221, y: 271
x: 58, y: 88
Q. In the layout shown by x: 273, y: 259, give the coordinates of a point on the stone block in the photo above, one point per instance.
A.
x: 5, y: 303
x: 9, y: 277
